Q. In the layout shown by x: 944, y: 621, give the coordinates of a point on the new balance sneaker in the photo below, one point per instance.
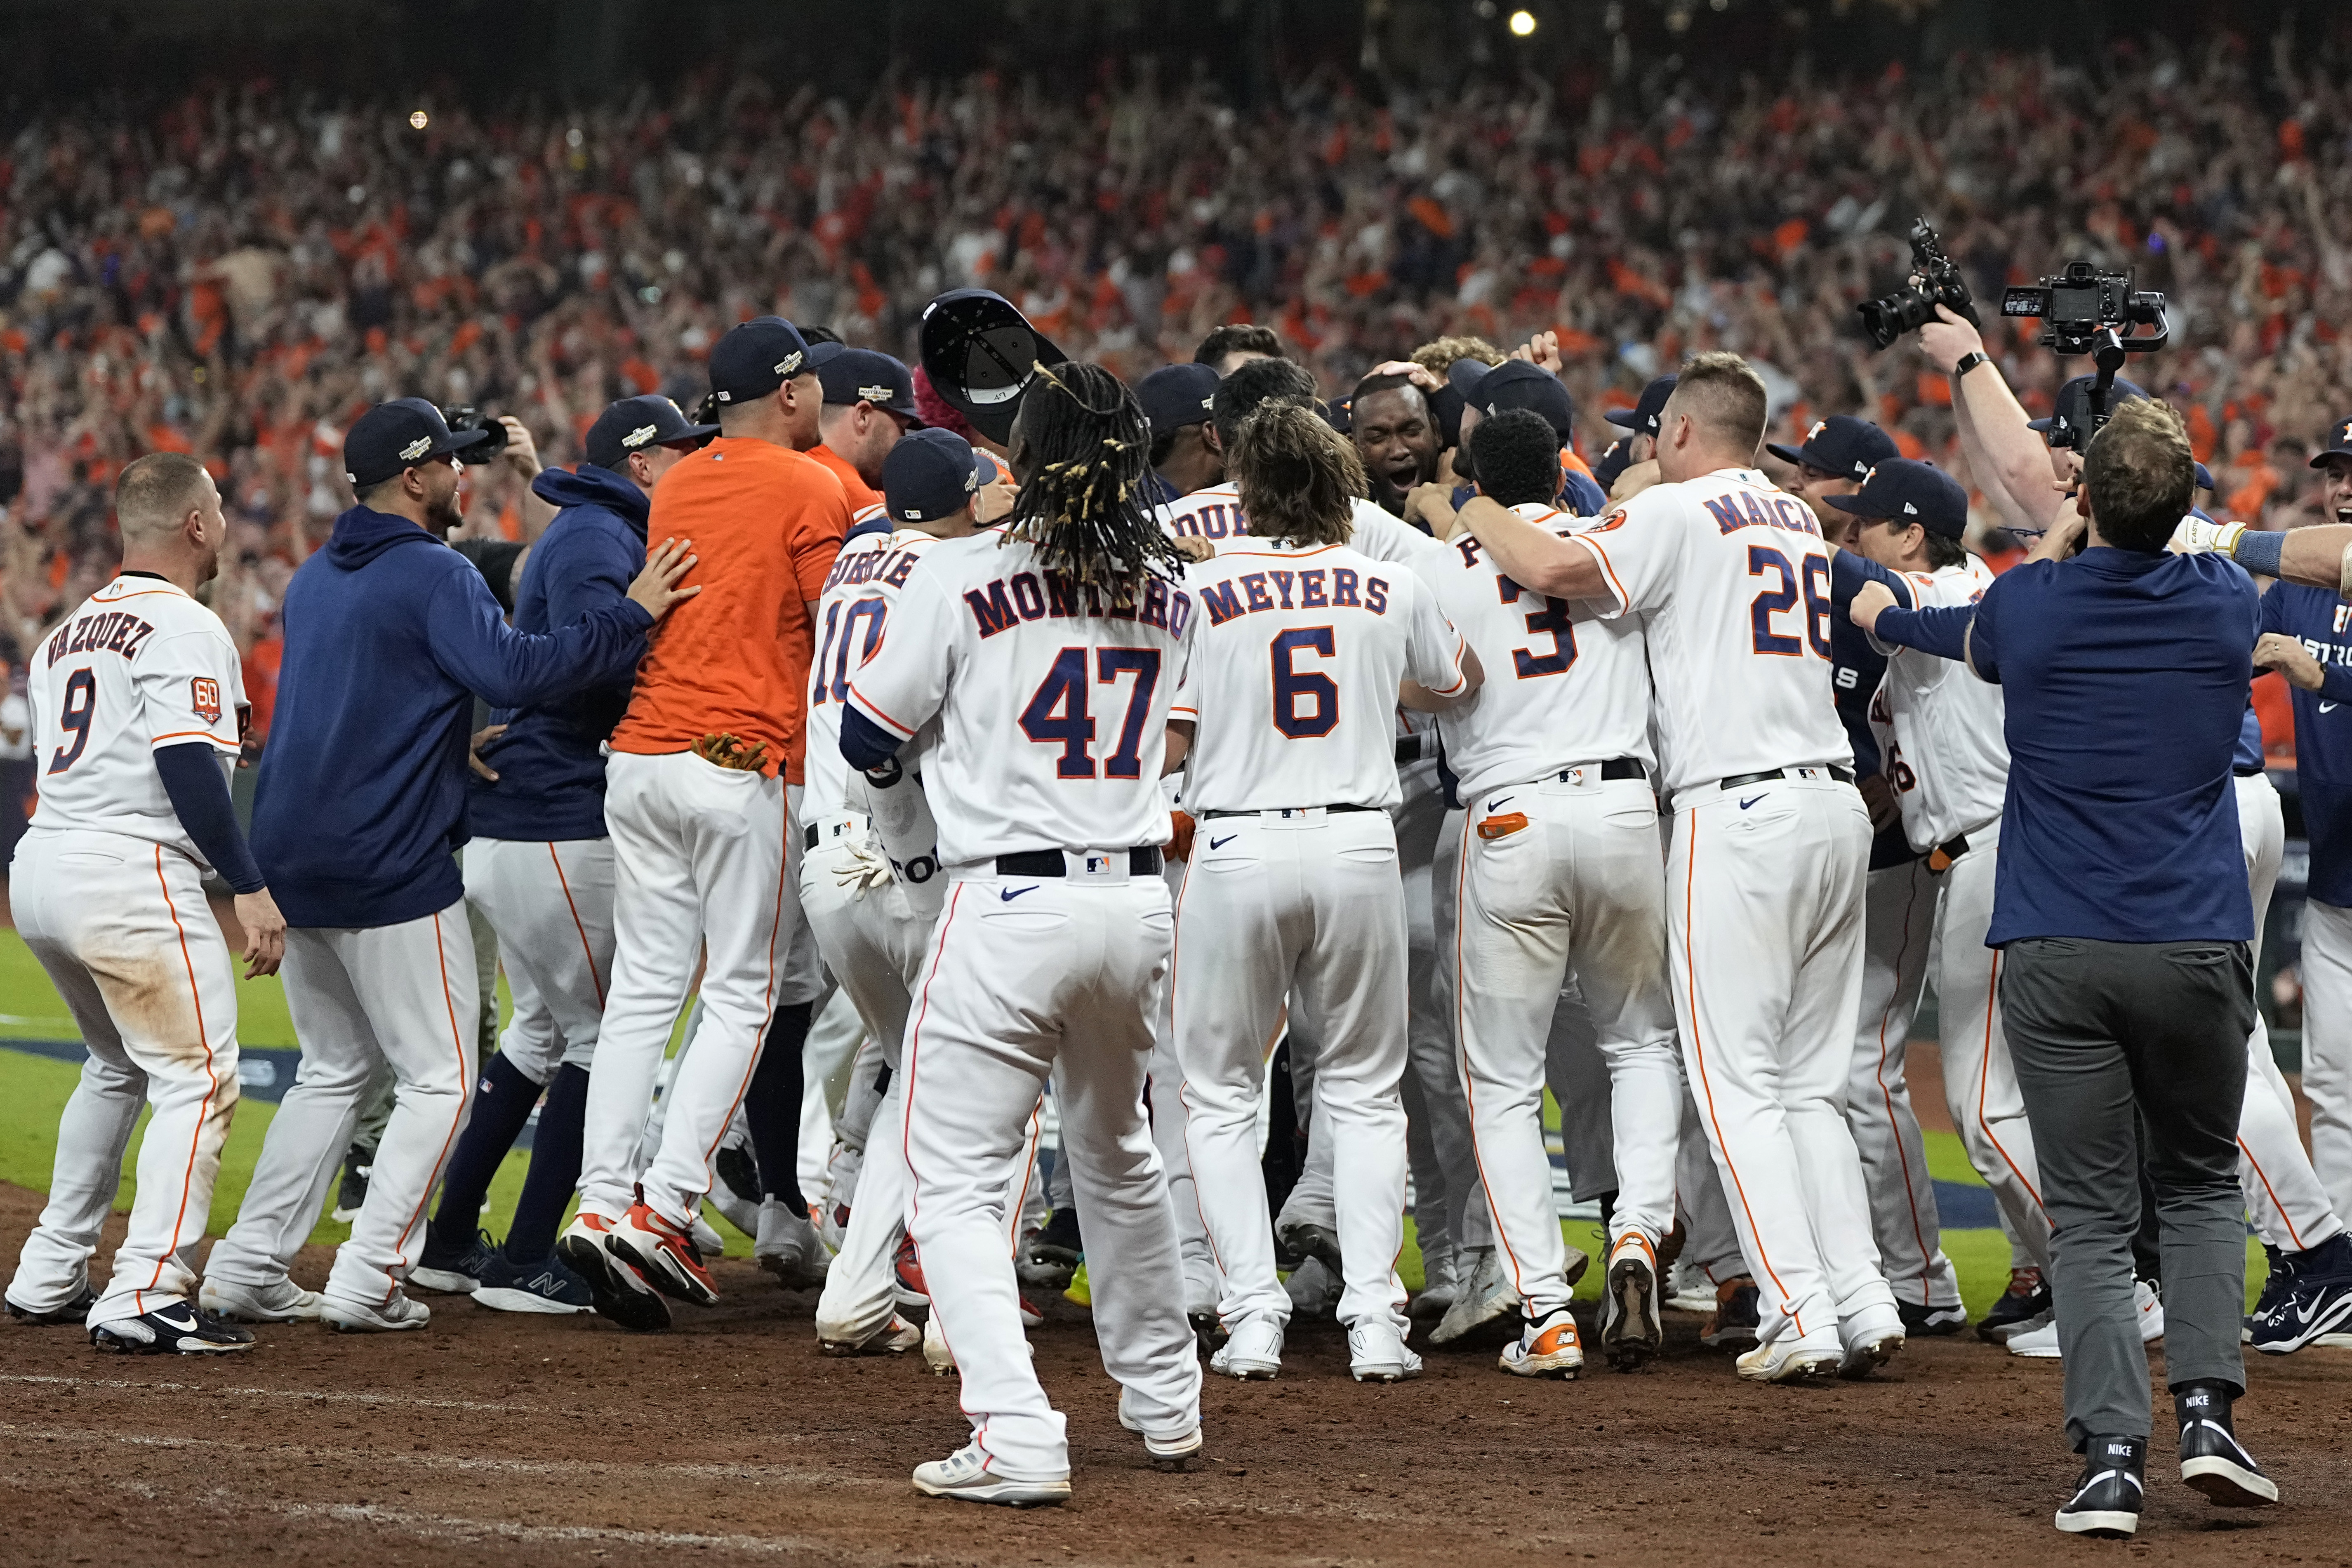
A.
x: 617, y: 1288
x: 1736, y: 1314
x: 896, y: 1337
x: 175, y: 1329
x: 74, y: 1310
x: 1376, y: 1351
x: 2317, y: 1301
x: 789, y: 1247
x: 1173, y: 1448
x: 346, y: 1316
x: 351, y: 1192
x: 283, y: 1302
x: 2212, y: 1460
x: 1546, y: 1349
x: 1795, y: 1358
x: 449, y: 1266
x: 965, y: 1476
x: 2024, y: 1306
x: 909, y: 1266
x: 1870, y: 1337
x: 2041, y: 1343
x: 665, y: 1254
x: 545, y: 1286
x: 1253, y: 1350
x: 1923, y: 1322
x: 1632, y: 1329
x: 2107, y: 1497
x: 1487, y: 1297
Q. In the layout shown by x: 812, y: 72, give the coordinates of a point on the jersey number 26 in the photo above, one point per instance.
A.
x: 1762, y: 559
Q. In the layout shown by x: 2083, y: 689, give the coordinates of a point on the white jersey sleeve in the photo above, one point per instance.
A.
x: 139, y: 667
x: 851, y: 615
x: 1731, y: 579
x: 1052, y: 700
x: 1950, y: 758
x: 1560, y: 690
x: 1215, y: 513
x: 1295, y: 666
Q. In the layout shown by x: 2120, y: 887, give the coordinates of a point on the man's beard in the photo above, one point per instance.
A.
x: 443, y: 515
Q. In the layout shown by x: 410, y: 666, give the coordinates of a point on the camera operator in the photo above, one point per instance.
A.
x: 2122, y: 918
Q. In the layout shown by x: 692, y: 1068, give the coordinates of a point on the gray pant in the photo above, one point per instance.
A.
x: 2108, y: 1037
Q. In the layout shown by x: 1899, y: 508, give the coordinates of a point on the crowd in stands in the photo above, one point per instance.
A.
x: 239, y: 271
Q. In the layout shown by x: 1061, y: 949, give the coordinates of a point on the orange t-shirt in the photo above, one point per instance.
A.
x: 766, y: 523
x: 861, y: 494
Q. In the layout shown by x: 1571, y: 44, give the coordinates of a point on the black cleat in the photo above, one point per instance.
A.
x: 618, y: 1293
x: 179, y: 1329
x: 1931, y: 1323
x: 357, y: 1166
x: 2212, y: 1460
x: 2023, y: 1308
x: 74, y: 1311
x: 1313, y: 1241
x: 2107, y: 1500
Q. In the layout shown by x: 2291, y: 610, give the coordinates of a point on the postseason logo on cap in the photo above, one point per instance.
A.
x: 640, y: 436
x: 416, y: 448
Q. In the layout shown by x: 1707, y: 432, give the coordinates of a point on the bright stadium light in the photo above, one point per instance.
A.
x: 1523, y: 24
x: 416, y: 120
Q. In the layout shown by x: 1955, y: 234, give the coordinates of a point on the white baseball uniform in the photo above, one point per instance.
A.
x: 1950, y: 763
x: 551, y: 902
x: 1559, y: 870
x: 107, y: 891
x: 1215, y: 514
x: 1765, y: 878
x: 1052, y: 699
x: 1293, y: 882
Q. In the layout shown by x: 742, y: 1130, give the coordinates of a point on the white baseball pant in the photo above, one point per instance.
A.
x: 1764, y: 903
x: 551, y: 906
x: 1059, y: 983
x: 1270, y: 901
x: 1577, y: 886
x: 2283, y: 1193
x: 1711, y: 1242
x: 121, y: 927
x: 1204, y: 1285
x: 700, y: 864
x: 1899, y: 922
x: 2326, y: 971
x: 402, y: 994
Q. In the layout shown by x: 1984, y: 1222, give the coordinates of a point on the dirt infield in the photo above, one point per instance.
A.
x: 490, y: 1437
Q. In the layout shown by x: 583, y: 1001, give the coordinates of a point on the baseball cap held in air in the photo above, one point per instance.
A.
x: 634, y: 424
x: 394, y: 436
x: 929, y: 475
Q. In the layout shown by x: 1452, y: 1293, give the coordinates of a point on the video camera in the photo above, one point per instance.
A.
x: 2082, y: 303
x: 465, y: 418
x: 1938, y: 283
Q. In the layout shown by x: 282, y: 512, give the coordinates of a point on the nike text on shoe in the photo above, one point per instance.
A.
x: 1793, y: 1358
x: 1376, y: 1352
x: 2107, y: 1499
x: 176, y: 1329
x: 2212, y: 1460
x: 616, y: 1289
x: 451, y: 1266
x: 74, y: 1311
x: 1253, y: 1350
x: 965, y: 1475
x: 346, y: 1316
x: 546, y: 1287
x: 664, y: 1253
x: 1548, y: 1349
x: 896, y: 1337
x: 1870, y: 1337
x: 1632, y: 1329
x: 283, y: 1302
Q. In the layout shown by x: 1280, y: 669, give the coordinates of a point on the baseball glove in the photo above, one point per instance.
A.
x: 728, y: 751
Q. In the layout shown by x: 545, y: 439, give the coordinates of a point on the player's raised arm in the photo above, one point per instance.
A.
x: 1550, y: 565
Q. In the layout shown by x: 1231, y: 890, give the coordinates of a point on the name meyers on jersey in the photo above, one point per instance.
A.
x: 1021, y: 597
x: 116, y: 631
x: 1314, y: 593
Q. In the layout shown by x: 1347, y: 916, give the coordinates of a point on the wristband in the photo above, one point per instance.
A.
x: 1968, y: 361
x: 2258, y: 552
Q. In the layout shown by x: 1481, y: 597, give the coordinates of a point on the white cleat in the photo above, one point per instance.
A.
x: 2041, y: 1343
x: 1870, y: 1337
x: 1376, y: 1351
x: 284, y: 1302
x: 1253, y: 1352
x: 965, y: 1475
x: 346, y: 1316
x: 789, y: 1247
x: 896, y: 1337
x: 1793, y: 1359
x: 1173, y: 1449
x: 936, y: 1354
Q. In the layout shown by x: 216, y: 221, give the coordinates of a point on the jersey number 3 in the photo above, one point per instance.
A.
x: 1058, y: 714
x: 1762, y: 559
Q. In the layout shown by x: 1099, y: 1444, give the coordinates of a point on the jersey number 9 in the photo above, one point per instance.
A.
x: 81, y: 698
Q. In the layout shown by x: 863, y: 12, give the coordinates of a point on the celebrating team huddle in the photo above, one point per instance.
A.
x: 1081, y: 787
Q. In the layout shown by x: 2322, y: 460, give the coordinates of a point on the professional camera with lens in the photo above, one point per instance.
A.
x: 1938, y: 282
x: 2081, y: 304
x: 467, y: 418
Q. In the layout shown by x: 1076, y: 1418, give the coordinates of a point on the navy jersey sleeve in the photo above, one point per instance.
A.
x: 1849, y: 570
x: 475, y: 646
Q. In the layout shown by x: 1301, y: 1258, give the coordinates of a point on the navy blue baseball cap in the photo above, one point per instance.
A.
x: 635, y: 424
x: 1643, y: 417
x: 2069, y: 418
x: 393, y: 437
x: 929, y: 474
x: 868, y: 375
x: 1841, y: 445
x: 2339, y: 444
x: 981, y: 355
x: 1906, y: 491
x: 756, y: 357
x: 1519, y: 383
x: 1614, y: 463
x: 1176, y: 396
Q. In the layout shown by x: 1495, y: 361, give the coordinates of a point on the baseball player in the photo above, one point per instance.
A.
x: 359, y: 806
x: 1560, y: 873
x: 869, y: 402
x: 1765, y: 875
x: 137, y: 701
x: 1047, y: 651
x: 1179, y: 403
x: 1293, y: 879
x: 695, y: 804
x: 540, y: 868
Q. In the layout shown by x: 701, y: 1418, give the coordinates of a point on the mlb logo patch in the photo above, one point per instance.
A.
x: 1098, y: 864
x: 205, y: 696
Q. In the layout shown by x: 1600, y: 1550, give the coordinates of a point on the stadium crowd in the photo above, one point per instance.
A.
x: 242, y: 270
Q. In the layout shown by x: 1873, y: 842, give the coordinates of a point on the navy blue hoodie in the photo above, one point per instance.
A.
x: 550, y: 761
x: 389, y: 635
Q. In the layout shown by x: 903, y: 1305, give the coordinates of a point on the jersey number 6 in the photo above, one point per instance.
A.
x: 1057, y: 714
x: 1291, y: 686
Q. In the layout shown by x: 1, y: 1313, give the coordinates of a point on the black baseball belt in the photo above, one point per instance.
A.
x: 1334, y: 810
x: 1140, y: 862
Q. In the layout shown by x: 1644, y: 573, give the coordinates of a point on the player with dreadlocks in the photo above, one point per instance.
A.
x: 1038, y: 660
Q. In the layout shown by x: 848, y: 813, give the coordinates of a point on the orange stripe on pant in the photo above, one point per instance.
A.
x: 566, y: 883
x: 204, y: 1112
x: 1910, y: 1194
